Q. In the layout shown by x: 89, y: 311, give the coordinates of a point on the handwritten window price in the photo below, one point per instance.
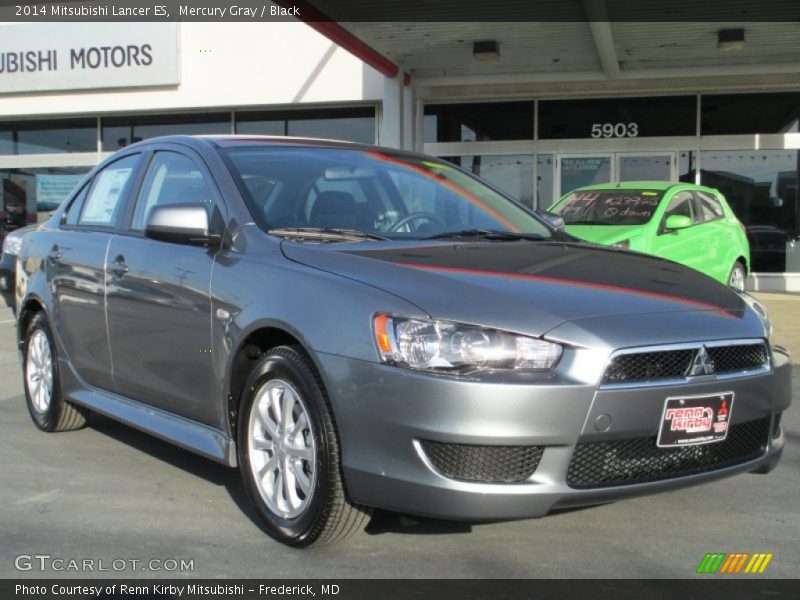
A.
x: 615, y: 130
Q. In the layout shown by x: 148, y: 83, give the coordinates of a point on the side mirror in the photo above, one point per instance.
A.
x: 180, y: 224
x: 552, y: 218
x: 677, y: 222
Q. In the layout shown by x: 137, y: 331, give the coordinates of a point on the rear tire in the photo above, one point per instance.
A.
x: 48, y: 408
x: 289, y: 454
x: 737, y: 276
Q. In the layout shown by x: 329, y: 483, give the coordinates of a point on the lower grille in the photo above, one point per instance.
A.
x: 487, y: 464
x: 622, y: 462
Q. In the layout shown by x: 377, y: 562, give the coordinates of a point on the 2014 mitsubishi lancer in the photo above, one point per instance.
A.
x: 357, y: 327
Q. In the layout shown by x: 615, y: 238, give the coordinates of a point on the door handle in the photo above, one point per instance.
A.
x: 118, y: 267
x: 54, y: 256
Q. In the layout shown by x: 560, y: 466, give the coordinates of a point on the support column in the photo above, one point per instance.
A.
x: 397, y: 114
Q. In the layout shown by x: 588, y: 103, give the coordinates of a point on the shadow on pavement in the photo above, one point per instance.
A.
x: 389, y: 522
x: 198, y: 466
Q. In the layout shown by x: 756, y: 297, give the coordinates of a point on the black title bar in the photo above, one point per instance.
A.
x: 344, y: 11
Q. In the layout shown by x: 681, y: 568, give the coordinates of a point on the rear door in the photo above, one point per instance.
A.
x: 75, y: 265
x: 686, y: 246
x: 720, y: 237
x: 159, y: 304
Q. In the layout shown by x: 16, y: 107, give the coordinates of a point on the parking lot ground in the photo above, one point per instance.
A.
x: 784, y: 309
x: 108, y: 492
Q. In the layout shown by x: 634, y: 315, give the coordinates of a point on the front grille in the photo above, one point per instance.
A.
x: 488, y: 464
x: 676, y: 364
x: 639, y: 460
x: 730, y: 359
x: 648, y: 366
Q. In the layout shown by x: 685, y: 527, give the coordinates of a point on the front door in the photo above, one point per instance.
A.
x: 687, y: 246
x: 159, y: 303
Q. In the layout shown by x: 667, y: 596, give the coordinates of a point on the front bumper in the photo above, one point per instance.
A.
x: 385, y: 413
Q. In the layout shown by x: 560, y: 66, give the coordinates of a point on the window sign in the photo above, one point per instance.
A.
x: 584, y: 170
x: 52, y: 189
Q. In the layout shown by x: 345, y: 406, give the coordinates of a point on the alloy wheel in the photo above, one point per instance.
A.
x: 282, y: 448
x: 39, y: 371
x: 737, y: 278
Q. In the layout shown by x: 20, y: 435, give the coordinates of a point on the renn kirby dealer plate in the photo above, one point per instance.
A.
x: 692, y: 420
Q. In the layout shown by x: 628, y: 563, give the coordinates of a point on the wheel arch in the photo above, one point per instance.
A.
x: 745, y: 264
x: 30, y: 308
x: 254, y: 343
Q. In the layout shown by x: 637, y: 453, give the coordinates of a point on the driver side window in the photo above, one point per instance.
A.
x: 681, y: 204
x: 171, y: 178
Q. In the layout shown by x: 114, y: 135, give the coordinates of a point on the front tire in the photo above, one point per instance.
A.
x: 289, y: 453
x: 737, y: 276
x: 46, y: 404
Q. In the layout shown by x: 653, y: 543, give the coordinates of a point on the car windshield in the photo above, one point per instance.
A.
x: 296, y: 191
x: 608, y: 207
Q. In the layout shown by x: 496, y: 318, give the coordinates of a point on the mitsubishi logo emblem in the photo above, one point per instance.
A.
x: 702, y: 364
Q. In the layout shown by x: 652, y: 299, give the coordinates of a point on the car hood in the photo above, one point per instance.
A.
x: 522, y: 286
x: 604, y: 234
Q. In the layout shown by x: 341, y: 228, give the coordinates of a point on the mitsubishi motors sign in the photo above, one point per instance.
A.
x: 42, y: 57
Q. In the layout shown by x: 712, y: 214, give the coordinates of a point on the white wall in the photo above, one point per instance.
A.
x: 227, y: 65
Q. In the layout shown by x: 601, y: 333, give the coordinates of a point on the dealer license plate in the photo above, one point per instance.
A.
x: 693, y: 420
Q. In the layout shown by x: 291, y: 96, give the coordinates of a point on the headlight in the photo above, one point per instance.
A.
x: 761, y: 311
x: 12, y: 244
x: 432, y: 345
x: 624, y: 244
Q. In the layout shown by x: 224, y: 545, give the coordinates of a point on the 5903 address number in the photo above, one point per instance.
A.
x: 614, y: 130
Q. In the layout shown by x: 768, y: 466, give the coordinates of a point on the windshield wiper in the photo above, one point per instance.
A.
x: 326, y: 234
x: 486, y: 234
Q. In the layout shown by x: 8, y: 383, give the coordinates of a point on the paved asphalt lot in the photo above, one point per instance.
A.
x: 108, y: 492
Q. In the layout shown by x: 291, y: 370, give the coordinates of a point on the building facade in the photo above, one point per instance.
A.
x: 70, y: 94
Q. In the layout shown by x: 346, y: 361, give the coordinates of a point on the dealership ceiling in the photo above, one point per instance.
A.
x: 588, y: 45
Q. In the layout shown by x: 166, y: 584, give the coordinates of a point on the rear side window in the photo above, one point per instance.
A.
x: 108, y: 191
x: 171, y: 178
x: 710, y: 208
x: 74, y: 209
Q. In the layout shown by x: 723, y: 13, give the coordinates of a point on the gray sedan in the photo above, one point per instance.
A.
x: 356, y: 327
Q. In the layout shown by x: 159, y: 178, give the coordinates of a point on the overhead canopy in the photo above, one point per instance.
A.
x: 571, y: 45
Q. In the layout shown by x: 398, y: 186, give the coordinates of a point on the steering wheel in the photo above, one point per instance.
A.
x: 410, y: 218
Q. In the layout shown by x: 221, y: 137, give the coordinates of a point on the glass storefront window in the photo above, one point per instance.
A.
x: 32, y: 194
x: 119, y: 132
x: 761, y: 188
x: 617, y: 117
x: 644, y: 167
x: 544, y: 181
x: 478, y: 122
x: 686, y: 166
x: 48, y: 136
x: 349, y: 124
x: 731, y: 114
x: 511, y: 173
x: 260, y: 126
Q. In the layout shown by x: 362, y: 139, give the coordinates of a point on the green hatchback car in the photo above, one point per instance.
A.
x: 689, y: 224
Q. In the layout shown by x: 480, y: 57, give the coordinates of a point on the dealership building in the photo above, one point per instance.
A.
x: 537, y: 108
